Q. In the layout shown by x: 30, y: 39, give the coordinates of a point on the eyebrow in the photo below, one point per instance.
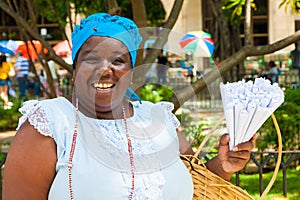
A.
x: 120, y: 52
x: 85, y: 52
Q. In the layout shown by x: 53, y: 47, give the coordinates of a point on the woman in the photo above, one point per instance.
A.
x: 6, y: 70
x: 100, y: 144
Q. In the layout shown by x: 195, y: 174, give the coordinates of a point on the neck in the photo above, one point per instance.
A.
x: 117, y: 112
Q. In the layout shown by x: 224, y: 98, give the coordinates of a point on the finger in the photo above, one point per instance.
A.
x: 244, y: 155
x: 245, y: 146
x: 254, y: 138
x: 223, y: 147
x: 224, y: 140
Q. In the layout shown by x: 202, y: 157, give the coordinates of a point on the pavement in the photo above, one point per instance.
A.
x: 5, y: 139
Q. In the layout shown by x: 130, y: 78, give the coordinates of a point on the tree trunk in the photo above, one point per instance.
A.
x: 247, y: 23
x: 139, y: 14
x: 112, y: 7
x: 224, y: 32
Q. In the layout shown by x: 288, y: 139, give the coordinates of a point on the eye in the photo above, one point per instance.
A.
x: 118, y: 61
x: 91, y: 59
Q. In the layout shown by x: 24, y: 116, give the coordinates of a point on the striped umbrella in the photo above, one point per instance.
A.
x: 9, y: 46
x: 198, y: 42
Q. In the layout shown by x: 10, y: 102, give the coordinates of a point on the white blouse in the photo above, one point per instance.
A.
x: 101, y: 164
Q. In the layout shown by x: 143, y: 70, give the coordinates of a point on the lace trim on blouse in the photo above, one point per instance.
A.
x: 33, y: 111
x: 170, y: 107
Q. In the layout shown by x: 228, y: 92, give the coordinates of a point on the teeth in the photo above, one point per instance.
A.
x: 103, y: 85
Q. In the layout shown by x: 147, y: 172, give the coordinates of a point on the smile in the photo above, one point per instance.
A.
x: 103, y: 86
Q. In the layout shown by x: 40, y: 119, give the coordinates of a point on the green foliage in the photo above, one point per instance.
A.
x: 9, y: 118
x: 293, y: 4
x: 53, y: 11
x: 288, y: 118
x: 233, y: 9
x: 191, y: 130
x: 251, y: 184
x: 156, y: 93
x: 154, y: 10
x: 57, y: 12
x: 88, y: 7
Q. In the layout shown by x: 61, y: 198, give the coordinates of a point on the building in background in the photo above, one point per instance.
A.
x: 269, y: 24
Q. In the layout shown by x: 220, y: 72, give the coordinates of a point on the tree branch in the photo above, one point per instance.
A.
x: 227, y: 64
x: 35, y: 35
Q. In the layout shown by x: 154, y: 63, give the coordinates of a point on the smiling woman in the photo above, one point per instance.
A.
x: 102, y: 77
x: 103, y: 142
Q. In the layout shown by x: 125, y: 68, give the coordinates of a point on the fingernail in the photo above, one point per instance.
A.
x: 235, y: 148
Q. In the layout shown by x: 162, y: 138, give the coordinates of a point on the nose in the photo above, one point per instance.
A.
x: 105, y: 68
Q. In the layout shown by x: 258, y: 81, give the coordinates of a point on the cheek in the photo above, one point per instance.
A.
x: 81, y: 77
x: 125, y: 76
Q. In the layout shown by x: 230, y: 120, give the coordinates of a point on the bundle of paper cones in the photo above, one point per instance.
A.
x: 247, y: 105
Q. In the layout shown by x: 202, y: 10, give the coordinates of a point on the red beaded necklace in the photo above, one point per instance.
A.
x: 70, y: 163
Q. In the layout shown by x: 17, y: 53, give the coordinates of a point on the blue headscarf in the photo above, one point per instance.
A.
x: 103, y: 24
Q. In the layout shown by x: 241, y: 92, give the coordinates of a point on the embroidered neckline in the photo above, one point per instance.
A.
x: 70, y: 163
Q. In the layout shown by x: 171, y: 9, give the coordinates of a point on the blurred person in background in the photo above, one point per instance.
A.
x: 6, y: 71
x: 22, y: 70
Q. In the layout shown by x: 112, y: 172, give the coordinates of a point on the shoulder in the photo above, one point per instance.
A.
x: 23, y: 168
x: 162, y: 110
x: 169, y: 106
x: 45, y: 115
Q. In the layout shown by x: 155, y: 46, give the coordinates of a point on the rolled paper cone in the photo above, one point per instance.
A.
x: 265, y: 101
x: 241, y: 88
x: 223, y: 94
x: 247, y: 116
x: 277, y: 100
x: 262, y: 83
x: 240, y: 125
x: 249, y: 94
x: 238, y: 121
x: 249, y: 85
x: 255, y: 89
x: 260, y: 116
x: 242, y: 96
x: 229, y: 116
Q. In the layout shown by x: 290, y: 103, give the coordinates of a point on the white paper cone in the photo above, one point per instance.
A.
x: 261, y: 115
x: 246, y: 116
x: 223, y: 94
x: 239, y: 122
x: 229, y: 116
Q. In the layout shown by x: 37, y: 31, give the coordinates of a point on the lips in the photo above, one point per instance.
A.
x: 103, y: 86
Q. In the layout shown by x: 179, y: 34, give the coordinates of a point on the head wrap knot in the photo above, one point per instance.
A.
x: 102, y: 24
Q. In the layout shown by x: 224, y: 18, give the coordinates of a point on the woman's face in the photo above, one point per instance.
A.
x: 102, y: 74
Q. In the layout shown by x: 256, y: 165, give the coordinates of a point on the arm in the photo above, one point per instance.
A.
x: 227, y: 162
x: 184, y: 145
x: 30, y: 165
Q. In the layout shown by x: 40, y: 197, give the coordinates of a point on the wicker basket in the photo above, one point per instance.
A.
x: 208, y: 185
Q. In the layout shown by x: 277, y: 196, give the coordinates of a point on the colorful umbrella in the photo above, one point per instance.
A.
x: 198, y: 42
x: 9, y: 46
x: 34, y: 47
x: 63, y: 48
